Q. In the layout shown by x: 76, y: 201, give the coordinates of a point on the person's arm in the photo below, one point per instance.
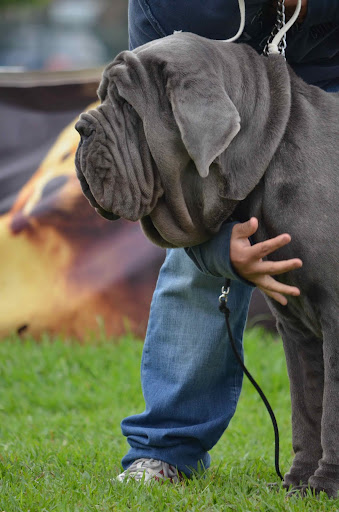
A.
x: 230, y: 254
x: 213, y: 257
x: 290, y: 6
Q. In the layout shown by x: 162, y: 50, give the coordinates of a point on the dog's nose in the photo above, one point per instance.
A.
x: 85, y: 129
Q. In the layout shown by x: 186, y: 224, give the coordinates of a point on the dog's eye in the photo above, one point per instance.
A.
x: 130, y: 112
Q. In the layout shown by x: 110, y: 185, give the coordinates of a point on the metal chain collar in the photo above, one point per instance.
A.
x: 278, y: 25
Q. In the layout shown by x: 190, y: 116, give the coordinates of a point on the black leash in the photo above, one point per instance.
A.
x: 224, y: 309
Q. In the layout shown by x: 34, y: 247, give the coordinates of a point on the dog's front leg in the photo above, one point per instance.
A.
x: 304, y: 357
x: 326, y: 477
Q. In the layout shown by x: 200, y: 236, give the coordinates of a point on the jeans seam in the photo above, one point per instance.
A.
x: 152, y: 20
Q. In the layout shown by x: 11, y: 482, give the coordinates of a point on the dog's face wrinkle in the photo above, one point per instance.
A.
x: 122, y: 164
x: 147, y: 185
x: 141, y: 164
x: 140, y: 153
x: 108, y: 156
x: 157, y: 69
x: 102, y: 160
x: 150, y: 179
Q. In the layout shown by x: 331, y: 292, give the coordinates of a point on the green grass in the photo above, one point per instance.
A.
x: 60, y: 443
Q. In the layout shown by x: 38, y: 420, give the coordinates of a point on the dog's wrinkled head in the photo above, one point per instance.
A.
x: 145, y: 153
x: 165, y: 145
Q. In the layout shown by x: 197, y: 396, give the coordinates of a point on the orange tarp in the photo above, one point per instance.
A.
x: 63, y: 268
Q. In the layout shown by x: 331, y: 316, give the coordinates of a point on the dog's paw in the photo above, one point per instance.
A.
x: 295, y: 480
x: 313, y: 489
x: 299, y: 474
x: 298, y: 491
x: 328, y: 485
x: 303, y: 491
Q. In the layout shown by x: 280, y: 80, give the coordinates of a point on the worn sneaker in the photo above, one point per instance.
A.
x: 150, y: 469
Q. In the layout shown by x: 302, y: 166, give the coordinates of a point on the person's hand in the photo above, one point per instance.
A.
x: 290, y: 6
x: 248, y: 261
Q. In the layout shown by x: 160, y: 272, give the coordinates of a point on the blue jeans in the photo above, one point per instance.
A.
x: 191, y: 380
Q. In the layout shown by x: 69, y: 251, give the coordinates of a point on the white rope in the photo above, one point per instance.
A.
x: 242, y: 22
x: 273, y: 46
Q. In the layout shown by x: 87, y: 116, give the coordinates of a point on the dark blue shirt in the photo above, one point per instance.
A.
x: 312, y: 46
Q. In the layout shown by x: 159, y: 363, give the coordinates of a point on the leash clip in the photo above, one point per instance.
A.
x: 223, y: 298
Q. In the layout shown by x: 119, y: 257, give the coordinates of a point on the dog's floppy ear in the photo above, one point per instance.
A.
x: 207, y: 119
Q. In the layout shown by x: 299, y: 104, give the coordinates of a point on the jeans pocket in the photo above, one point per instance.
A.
x: 144, y: 4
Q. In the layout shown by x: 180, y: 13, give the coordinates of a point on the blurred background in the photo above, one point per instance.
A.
x: 63, y: 269
x: 61, y: 34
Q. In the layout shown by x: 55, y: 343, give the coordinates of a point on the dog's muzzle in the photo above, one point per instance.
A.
x: 86, y: 131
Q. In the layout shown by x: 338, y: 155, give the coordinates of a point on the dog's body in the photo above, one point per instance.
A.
x: 179, y: 161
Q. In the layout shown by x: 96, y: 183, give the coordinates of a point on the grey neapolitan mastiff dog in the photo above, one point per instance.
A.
x: 192, y: 130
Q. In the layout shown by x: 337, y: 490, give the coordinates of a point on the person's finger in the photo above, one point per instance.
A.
x: 245, y: 229
x: 276, y: 296
x: 269, y: 284
x: 275, y: 268
x: 262, y: 249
